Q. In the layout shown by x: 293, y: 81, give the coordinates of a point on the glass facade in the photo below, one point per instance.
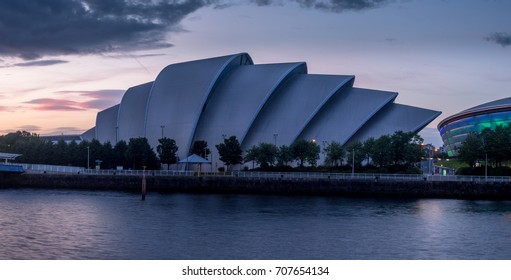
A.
x: 454, y: 133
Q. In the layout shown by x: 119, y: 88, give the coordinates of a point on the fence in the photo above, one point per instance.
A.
x: 40, y: 168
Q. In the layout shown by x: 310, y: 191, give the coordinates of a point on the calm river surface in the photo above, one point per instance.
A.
x: 55, y: 224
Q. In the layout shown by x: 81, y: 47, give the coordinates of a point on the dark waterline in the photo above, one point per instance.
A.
x: 55, y: 224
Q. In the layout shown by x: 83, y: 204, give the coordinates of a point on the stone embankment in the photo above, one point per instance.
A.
x: 275, y: 186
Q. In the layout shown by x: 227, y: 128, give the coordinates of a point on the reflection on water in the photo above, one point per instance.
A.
x: 51, y: 224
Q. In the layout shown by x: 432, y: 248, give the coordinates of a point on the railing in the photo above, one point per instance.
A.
x: 139, y: 172
x: 317, y: 175
x: 39, y: 168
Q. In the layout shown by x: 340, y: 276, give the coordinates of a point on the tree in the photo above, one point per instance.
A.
x: 471, y: 150
x: 252, y: 155
x: 167, y: 150
x: 413, y: 152
x: 140, y: 154
x: 405, y: 148
x: 380, y: 153
x: 334, y: 153
x: 355, y: 149
x: 305, y: 151
x: 497, y: 143
x: 284, y: 155
x: 230, y: 151
x: 367, y: 148
x: 119, y: 154
x: 267, y: 155
x: 200, y: 148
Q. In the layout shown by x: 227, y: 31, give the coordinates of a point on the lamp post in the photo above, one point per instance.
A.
x: 324, y: 153
x: 275, y: 138
x: 353, y: 163
x: 162, y: 127
x: 88, y: 156
x: 485, y: 160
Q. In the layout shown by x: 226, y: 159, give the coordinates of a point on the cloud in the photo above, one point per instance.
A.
x: 51, y: 104
x: 66, y: 130
x: 40, y: 63
x: 30, y: 128
x: 500, y: 38
x: 336, y: 6
x: 32, y: 29
x: 98, y: 100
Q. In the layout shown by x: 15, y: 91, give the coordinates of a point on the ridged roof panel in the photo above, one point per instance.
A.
x: 179, y: 95
x: 240, y: 97
x: 132, y: 112
x: 345, y: 114
x: 106, y: 124
x: 290, y: 109
x: 395, y: 117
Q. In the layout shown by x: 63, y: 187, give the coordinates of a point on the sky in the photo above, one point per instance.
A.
x: 62, y: 61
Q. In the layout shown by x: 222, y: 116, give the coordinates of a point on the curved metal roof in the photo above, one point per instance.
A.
x: 490, y: 107
x: 206, y: 99
x: 240, y: 97
x: 289, y: 111
x: 179, y: 95
x: 132, y: 111
x: 106, y: 125
x: 352, y: 108
x: 395, y: 117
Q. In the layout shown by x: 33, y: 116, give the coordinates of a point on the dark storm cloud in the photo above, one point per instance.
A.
x: 500, y: 38
x: 31, y: 29
x: 336, y: 6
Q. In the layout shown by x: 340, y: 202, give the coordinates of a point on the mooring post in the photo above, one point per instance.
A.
x: 143, y: 184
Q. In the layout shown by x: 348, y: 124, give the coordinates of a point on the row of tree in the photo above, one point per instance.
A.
x: 493, y: 145
x: 399, y: 149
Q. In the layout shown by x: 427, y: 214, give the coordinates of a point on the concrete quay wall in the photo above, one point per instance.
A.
x: 276, y: 186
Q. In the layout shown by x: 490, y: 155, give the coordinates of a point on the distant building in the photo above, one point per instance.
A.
x: 279, y: 103
x: 66, y: 138
x: 454, y: 129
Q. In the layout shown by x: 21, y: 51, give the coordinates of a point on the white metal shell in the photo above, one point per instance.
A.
x: 132, y: 112
x: 273, y: 103
x: 179, y: 95
x: 106, y: 125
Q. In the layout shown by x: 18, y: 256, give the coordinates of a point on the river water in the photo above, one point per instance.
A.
x: 57, y: 224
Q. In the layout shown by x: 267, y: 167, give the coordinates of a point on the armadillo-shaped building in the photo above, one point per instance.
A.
x: 279, y: 103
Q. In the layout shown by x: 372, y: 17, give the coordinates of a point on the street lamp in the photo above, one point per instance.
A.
x: 88, y: 156
x: 275, y: 138
x: 485, y: 160
x: 353, y: 163
x: 162, y: 127
x: 324, y: 153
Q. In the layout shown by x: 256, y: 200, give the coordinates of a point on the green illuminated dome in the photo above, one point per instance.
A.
x: 454, y: 129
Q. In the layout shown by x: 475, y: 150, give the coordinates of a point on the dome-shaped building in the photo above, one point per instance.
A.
x: 455, y: 128
x: 279, y: 103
